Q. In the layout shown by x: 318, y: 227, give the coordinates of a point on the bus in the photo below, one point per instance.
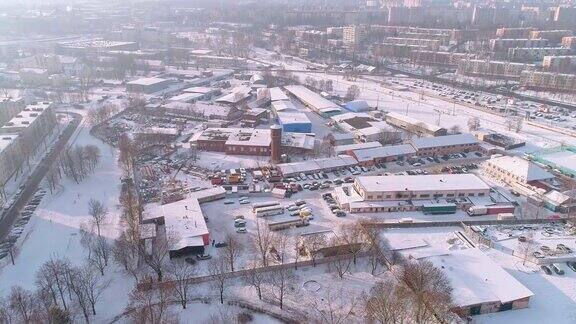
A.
x: 264, y: 204
x: 269, y: 211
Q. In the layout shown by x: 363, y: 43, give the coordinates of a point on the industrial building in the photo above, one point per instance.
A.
x: 406, y: 187
x: 515, y: 170
x: 147, y: 85
x: 357, y: 106
x: 314, y: 101
x: 562, y: 158
x: 249, y: 141
x: 364, y: 127
x: 371, y: 156
x: 413, y: 125
x: 294, y: 122
x: 443, y: 145
x: 183, y: 221
x: 316, y: 165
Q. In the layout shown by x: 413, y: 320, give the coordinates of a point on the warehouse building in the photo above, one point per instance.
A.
x: 443, y: 145
x: 147, y: 85
x: 357, y: 106
x: 314, y: 101
x: 512, y: 170
x: 295, y: 122
x: 413, y: 125
x: 371, y: 156
x: 249, y: 141
x: 407, y: 187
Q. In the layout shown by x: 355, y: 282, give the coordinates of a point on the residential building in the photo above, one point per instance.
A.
x: 548, y: 81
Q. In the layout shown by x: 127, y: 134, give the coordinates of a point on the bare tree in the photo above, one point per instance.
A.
x: 389, y: 138
x: 7, y: 314
x: 52, y: 276
x: 98, y: 211
x: 92, y: 285
x: 526, y: 246
x: 232, y: 251
x: 156, y: 259
x: 218, y: 270
x: 263, y: 241
x: 53, y: 178
x: 180, y: 273
x: 150, y: 305
x: 22, y: 302
x: 255, y: 278
x: 313, y: 243
x: 514, y: 123
x: 124, y: 255
x: 383, y: 305
x: 455, y: 129
x: 427, y: 289
x: 474, y: 124
x: 280, y: 281
x: 337, y: 305
x: 352, y: 93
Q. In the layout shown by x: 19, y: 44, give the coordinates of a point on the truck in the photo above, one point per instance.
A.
x: 285, y: 224
x: 506, y: 216
x: 264, y: 204
x: 268, y: 211
x: 438, y: 209
x: 490, y: 210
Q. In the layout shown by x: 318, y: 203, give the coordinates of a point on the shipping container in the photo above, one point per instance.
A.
x: 438, y: 209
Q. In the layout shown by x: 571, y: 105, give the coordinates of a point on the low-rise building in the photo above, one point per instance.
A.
x: 414, y: 125
x: 408, y: 187
x: 370, y: 156
x: 147, y: 85
x: 443, y: 145
x: 515, y: 170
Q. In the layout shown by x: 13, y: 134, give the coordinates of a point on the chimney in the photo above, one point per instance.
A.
x: 276, y: 143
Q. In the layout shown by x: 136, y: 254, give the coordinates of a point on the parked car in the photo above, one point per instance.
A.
x: 557, y: 269
x: 228, y: 202
x: 546, y: 270
x: 571, y: 265
x: 190, y: 260
x: 221, y: 244
x: 241, y: 230
x: 203, y: 256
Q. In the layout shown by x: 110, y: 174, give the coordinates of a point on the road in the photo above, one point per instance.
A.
x: 36, y: 177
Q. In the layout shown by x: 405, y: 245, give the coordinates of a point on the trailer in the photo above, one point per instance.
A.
x: 269, y: 211
x: 490, y: 210
x: 264, y: 204
x: 439, y: 209
x: 506, y: 216
x: 299, y: 222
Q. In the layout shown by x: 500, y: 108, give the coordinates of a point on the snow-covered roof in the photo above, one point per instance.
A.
x: 383, y: 152
x: 476, y: 278
x: 412, y: 121
x: 237, y: 94
x: 187, y: 97
x: 283, y: 105
x: 356, y: 146
x: 316, y: 165
x: 277, y: 94
x: 428, y: 182
x: 293, y: 118
x: 6, y: 140
x: 357, y: 105
x: 440, y: 141
x: 183, y: 219
x: 147, y: 81
x: 519, y: 167
x: 202, y: 90
x: 312, y: 99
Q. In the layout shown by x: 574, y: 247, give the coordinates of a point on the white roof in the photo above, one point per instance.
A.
x: 440, y: 141
x: 356, y: 146
x: 519, y: 167
x: 311, y: 98
x: 282, y: 105
x: 186, y: 97
x: 237, y: 94
x: 183, y: 219
x: 293, y: 118
x: 316, y: 165
x: 476, y: 278
x: 202, y: 90
x: 277, y: 94
x: 428, y: 182
x: 147, y: 81
x: 383, y: 152
x: 413, y: 121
